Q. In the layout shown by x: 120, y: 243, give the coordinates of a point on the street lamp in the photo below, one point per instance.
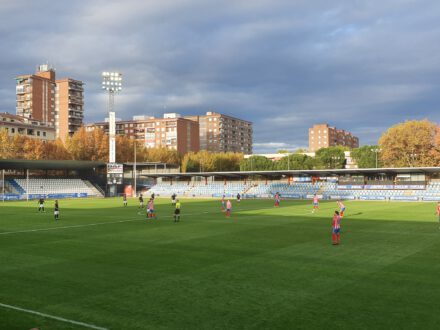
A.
x: 376, y: 151
x: 112, y: 83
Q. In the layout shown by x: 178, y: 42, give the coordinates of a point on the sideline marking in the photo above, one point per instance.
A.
x: 113, y: 222
x: 62, y: 319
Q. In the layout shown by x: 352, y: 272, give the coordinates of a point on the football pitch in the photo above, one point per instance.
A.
x: 103, y: 266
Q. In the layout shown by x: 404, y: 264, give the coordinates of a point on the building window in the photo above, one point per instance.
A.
x: 44, y: 133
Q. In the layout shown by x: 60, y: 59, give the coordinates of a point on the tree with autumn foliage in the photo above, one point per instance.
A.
x: 412, y: 143
x: 85, y: 145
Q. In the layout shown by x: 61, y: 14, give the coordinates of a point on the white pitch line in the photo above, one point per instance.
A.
x: 67, y: 227
x: 85, y: 225
x: 61, y: 319
x: 106, y: 223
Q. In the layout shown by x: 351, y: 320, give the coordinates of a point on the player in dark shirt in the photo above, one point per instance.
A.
x: 56, y: 211
x: 141, y: 202
x: 41, y: 205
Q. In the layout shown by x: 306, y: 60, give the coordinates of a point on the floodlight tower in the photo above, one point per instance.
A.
x: 112, y: 83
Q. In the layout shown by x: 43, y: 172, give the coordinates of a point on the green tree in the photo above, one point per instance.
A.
x: 295, y: 162
x: 331, y: 157
x: 365, y: 156
x: 257, y: 163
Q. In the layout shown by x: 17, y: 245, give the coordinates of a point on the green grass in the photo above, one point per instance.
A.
x: 264, y: 268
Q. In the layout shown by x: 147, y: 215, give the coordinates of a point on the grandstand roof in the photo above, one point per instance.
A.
x: 9, y: 164
x: 323, y: 172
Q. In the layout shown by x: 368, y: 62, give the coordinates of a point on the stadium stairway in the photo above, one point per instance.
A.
x: 97, y: 191
x: 15, y: 186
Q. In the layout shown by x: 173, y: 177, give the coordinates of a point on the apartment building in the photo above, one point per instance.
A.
x: 69, y: 106
x: 222, y: 133
x: 171, y: 131
x: 32, y: 128
x: 324, y: 136
x: 35, y: 95
x: 59, y: 103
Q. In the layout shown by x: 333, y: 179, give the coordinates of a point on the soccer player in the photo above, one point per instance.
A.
x: 177, y: 212
x: 173, y: 199
x: 438, y: 213
x: 336, y: 228
x: 141, y: 202
x: 223, y: 203
x: 41, y: 205
x: 238, y: 198
x: 150, y: 211
x: 124, y: 199
x: 315, y: 203
x: 277, y: 199
x: 56, y: 210
x: 341, y: 208
x: 228, y: 208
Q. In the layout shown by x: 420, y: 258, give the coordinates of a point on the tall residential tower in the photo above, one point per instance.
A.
x: 58, y: 103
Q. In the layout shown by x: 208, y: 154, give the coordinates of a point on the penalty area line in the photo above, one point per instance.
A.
x: 53, y: 317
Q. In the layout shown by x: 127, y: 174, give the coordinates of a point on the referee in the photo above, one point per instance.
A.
x: 177, y: 211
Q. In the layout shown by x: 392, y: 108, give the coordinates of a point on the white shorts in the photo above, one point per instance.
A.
x: 173, y: 201
x: 56, y: 212
x: 41, y: 205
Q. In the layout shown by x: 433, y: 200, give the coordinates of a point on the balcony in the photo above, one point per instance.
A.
x: 76, y: 88
x: 73, y: 115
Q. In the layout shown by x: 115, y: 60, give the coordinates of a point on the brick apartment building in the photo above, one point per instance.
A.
x: 58, y: 103
x: 69, y: 106
x: 27, y: 127
x: 323, y: 136
x: 172, y: 131
x: 221, y: 133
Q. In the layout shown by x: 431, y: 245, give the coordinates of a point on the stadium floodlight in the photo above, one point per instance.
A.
x: 112, y: 83
x: 376, y: 151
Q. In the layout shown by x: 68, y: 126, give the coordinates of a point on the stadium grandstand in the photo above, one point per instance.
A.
x: 33, y: 179
x: 402, y: 184
x: 28, y: 179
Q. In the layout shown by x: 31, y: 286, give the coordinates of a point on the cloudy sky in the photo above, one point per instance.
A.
x: 360, y: 65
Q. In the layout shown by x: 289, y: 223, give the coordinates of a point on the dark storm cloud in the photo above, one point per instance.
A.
x: 359, y: 65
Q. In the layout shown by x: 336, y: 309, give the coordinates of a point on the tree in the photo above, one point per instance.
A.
x: 5, y: 145
x: 365, y: 156
x: 331, y: 157
x: 211, y: 162
x: 85, y: 145
x: 257, y: 163
x: 125, y: 149
x: 295, y: 162
x: 412, y: 143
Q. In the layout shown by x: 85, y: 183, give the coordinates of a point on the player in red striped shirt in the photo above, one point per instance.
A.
x: 438, y: 213
x: 336, y: 228
x: 315, y: 203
